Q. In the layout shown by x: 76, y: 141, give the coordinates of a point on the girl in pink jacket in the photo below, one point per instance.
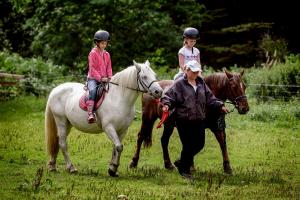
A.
x: 100, y: 70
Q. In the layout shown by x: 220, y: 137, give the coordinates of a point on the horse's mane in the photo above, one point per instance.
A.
x: 122, y: 77
x: 217, y: 79
x: 217, y: 82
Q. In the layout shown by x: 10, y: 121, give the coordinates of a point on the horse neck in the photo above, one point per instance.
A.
x: 217, y: 84
x: 165, y: 83
x: 127, y: 85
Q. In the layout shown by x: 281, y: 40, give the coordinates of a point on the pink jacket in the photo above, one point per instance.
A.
x: 99, y: 64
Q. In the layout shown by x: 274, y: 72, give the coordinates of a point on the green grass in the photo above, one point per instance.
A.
x: 263, y: 148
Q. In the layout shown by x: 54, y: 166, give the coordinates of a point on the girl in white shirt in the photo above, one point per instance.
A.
x: 188, y: 52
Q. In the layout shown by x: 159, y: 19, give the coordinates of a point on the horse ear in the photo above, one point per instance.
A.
x: 228, y: 74
x: 147, y: 63
x: 136, y: 65
x: 242, y: 72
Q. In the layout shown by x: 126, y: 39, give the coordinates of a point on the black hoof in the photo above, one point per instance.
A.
x: 133, y: 164
x: 227, y: 168
x: 112, y: 173
x: 169, y: 166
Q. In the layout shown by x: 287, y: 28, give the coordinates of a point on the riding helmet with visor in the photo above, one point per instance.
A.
x: 101, y: 35
x: 191, y: 33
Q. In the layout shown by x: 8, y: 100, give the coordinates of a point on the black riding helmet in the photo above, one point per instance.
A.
x: 101, y: 35
x: 191, y: 33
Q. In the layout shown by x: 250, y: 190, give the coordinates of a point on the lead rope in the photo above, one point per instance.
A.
x: 229, y: 102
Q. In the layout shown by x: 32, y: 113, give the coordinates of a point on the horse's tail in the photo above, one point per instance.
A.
x: 149, y: 115
x: 51, y: 132
x: 146, y: 132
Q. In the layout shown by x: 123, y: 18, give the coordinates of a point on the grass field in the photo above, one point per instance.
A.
x: 263, y: 148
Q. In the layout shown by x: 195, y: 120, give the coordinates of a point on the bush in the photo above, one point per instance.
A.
x: 39, y: 76
x: 281, y: 81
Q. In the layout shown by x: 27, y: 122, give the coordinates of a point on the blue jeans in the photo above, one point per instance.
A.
x: 92, y: 86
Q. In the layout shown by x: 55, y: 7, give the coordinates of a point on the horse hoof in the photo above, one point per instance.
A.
x: 227, y: 168
x: 112, y: 173
x: 72, y: 169
x: 193, y: 168
x: 169, y: 166
x: 133, y: 164
x: 51, y: 167
x: 228, y: 171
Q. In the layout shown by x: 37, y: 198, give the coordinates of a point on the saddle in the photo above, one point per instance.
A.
x: 101, y: 91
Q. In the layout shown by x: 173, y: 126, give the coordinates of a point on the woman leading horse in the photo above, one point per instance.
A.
x: 225, y: 86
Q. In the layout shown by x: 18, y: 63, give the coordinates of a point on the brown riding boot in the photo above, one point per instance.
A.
x: 90, y: 109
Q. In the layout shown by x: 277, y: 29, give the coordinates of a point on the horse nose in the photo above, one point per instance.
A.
x: 246, y: 109
x: 158, y: 92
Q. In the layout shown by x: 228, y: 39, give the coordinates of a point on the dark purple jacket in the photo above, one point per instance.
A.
x: 188, y: 103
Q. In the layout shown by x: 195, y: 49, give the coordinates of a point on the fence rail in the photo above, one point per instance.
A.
x: 8, y: 85
x: 274, y: 92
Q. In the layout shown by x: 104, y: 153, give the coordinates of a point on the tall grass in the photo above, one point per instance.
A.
x: 263, y: 148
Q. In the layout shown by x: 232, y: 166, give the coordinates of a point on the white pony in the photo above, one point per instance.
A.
x: 113, y: 117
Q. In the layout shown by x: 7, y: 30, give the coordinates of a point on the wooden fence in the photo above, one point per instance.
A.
x: 9, y: 85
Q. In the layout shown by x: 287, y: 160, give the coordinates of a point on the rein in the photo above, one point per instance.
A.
x: 135, y: 89
x: 139, y: 81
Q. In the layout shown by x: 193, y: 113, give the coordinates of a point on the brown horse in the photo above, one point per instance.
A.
x: 225, y: 86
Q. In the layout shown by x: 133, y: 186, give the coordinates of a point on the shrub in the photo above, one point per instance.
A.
x: 281, y: 81
x: 39, y: 76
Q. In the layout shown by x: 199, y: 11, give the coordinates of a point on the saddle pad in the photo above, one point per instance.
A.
x: 84, y: 99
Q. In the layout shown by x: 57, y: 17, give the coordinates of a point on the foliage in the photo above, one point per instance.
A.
x: 39, y: 76
x: 274, y: 49
x: 280, y: 81
x: 264, y: 157
x: 14, y: 36
x: 63, y: 30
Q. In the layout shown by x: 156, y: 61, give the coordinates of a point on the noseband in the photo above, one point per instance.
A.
x: 145, y: 87
x: 236, y: 100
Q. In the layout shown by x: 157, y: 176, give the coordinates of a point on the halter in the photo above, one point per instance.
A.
x: 139, y: 81
x: 236, y: 100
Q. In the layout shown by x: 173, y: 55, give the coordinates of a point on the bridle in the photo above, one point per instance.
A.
x: 236, y: 100
x: 144, y: 89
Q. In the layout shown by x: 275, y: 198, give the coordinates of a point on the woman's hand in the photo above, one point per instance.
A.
x: 224, y: 109
x: 165, y: 108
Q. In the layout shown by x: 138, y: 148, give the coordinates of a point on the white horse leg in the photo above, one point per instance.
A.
x: 63, y: 131
x: 116, y: 152
x: 52, y: 162
x: 115, y: 161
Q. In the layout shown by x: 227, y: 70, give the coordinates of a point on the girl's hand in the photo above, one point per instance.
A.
x: 104, y: 79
